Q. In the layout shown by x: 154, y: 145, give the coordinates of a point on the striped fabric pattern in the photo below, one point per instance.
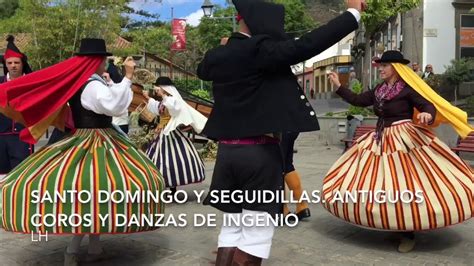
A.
x: 409, y: 158
x: 177, y: 159
x: 92, y: 160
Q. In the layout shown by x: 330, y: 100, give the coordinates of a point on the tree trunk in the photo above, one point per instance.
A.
x: 456, y: 94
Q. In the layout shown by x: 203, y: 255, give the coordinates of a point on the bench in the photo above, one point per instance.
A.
x: 465, y: 145
x: 359, y: 132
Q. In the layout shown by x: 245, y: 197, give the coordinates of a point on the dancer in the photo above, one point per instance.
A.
x: 94, y: 158
x: 292, y: 178
x: 403, y: 156
x: 172, y: 152
x: 12, y: 150
x: 256, y: 96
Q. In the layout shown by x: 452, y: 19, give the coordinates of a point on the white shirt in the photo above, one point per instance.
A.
x: 111, y: 100
x: 169, y: 102
x: 355, y: 12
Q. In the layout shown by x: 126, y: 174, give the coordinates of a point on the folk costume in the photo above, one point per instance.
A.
x: 402, y: 156
x: 257, y: 95
x: 93, y: 158
x: 172, y: 152
x: 292, y: 178
x: 12, y: 150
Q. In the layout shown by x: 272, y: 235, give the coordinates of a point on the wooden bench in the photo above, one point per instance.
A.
x: 465, y: 145
x: 359, y: 132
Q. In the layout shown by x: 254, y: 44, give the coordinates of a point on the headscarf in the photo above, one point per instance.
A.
x: 445, y: 112
x: 186, y: 115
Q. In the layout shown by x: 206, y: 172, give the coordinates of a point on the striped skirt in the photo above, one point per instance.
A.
x: 410, y: 181
x: 177, y: 159
x: 65, y: 187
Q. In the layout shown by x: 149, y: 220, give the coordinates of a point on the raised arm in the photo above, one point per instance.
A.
x: 290, y: 52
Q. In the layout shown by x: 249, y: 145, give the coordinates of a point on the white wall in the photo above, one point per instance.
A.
x: 440, y: 50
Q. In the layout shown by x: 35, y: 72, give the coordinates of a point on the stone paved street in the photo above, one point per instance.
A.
x: 321, y: 240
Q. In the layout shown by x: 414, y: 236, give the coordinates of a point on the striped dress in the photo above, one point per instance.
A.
x: 177, y: 159
x: 409, y: 159
x: 90, y: 160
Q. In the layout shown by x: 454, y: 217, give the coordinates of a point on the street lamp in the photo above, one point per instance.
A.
x: 207, y: 8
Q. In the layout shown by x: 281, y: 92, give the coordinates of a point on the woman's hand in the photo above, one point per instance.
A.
x: 334, y: 79
x: 424, y: 118
x: 146, y: 94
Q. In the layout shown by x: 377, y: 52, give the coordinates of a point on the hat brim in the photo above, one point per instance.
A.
x: 95, y: 53
x: 402, y: 61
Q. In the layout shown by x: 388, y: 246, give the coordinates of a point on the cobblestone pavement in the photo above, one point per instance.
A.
x: 321, y: 240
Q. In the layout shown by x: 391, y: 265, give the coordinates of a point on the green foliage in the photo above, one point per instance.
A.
x: 155, y: 40
x: 8, y: 8
x: 469, y: 108
x: 202, y: 94
x: 330, y: 114
x: 212, y: 30
x: 379, y: 11
x: 191, y: 85
x: 297, y: 19
x: 355, y: 110
x: 57, y: 26
x: 460, y: 70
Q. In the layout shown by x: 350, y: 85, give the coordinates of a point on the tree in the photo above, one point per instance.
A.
x: 56, y: 26
x: 297, y: 20
x: 378, y: 12
x: 155, y: 40
x: 459, y: 71
x: 8, y: 8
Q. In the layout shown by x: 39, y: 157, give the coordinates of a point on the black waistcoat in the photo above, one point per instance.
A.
x: 84, y: 118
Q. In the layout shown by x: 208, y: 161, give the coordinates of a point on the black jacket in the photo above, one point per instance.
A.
x: 254, y: 90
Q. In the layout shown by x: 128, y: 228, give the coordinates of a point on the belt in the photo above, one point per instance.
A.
x: 251, y: 141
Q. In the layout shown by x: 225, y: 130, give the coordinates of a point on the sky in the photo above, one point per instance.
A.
x: 188, y: 9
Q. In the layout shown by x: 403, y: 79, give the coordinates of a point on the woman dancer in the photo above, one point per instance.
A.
x: 172, y: 152
x: 402, y: 157
x: 94, y: 158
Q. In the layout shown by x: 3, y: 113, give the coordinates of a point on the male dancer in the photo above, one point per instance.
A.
x: 12, y: 150
x: 257, y: 95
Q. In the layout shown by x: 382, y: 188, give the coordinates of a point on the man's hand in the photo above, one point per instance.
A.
x: 129, y: 65
x: 360, y: 5
x: 224, y: 41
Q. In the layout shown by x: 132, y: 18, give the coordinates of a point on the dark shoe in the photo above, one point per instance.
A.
x: 291, y: 218
x: 244, y: 259
x: 305, y: 213
x: 225, y: 256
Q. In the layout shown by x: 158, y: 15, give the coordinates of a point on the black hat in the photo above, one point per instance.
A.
x: 13, y: 51
x: 392, y: 56
x: 262, y: 17
x: 91, y: 46
x: 164, y: 81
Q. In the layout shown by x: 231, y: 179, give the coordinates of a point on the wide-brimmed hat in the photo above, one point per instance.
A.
x: 164, y: 81
x: 392, y: 56
x: 90, y: 46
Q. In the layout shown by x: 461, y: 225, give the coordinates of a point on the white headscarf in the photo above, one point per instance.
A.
x: 185, y: 115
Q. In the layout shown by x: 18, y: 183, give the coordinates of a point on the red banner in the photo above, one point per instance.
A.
x: 178, y: 30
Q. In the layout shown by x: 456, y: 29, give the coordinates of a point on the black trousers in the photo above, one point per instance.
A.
x: 249, y: 168
x: 287, y: 147
x: 12, y: 152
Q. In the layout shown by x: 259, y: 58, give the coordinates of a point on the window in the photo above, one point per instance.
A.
x: 466, y: 42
